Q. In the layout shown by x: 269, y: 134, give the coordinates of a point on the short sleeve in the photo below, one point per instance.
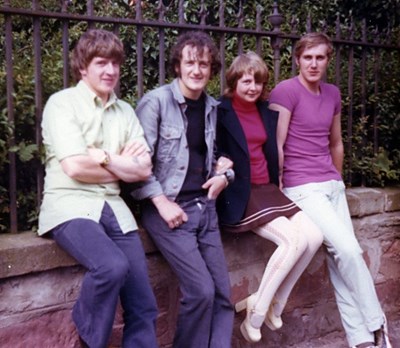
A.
x: 62, y: 133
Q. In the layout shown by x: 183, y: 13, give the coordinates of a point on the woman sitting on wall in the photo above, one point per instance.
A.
x: 246, y: 133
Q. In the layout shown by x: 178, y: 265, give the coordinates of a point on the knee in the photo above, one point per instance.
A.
x: 113, y: 271
x: 310, y: 231
x: 203, y: 295
x: 349, y: 253
x: 302, y: 244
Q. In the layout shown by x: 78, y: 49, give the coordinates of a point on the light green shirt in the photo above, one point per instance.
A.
x: 73, y: 120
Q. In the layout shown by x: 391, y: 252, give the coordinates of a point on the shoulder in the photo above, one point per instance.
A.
x: 157, y: 95
x: 124, y: 106
x: 330, y: 88
x: 64, y: 95
x: 286, y: 93
x: 211, y: 100
x: 159, y: 92
x: 285, y: 86
x: 225, y: 103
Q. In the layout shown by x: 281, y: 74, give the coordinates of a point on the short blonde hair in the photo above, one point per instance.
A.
x: 311, y: 40
x: 247, y: 63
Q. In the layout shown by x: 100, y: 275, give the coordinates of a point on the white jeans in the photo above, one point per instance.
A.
x: 325, y: 203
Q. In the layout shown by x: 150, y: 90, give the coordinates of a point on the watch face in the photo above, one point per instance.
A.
x: 106, y: 159
x: 230, y: 175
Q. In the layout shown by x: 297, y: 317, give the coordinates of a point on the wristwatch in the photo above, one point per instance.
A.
x: 106, y: 159
x: 230, y: 175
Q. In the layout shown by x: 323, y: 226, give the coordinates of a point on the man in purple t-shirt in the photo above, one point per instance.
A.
x: 310, y: 158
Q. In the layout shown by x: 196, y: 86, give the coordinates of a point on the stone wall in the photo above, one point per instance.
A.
x: 39, y: 284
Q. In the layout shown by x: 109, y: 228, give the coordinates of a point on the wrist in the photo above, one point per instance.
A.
x: 159, y: 200
x: 105, y: 161
x: 229, y: 176
x: 223, y: 176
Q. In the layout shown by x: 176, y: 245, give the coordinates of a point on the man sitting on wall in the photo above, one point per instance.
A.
x: 93, y: 140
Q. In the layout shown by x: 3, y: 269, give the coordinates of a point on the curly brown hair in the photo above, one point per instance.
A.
x: 95, y: 43
x: 200, y: 41
x: 247, y: 63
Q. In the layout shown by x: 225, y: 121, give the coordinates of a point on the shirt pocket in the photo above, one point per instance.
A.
x: 169, y: 141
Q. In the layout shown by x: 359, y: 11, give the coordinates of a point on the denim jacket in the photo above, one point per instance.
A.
x: 162, y: 115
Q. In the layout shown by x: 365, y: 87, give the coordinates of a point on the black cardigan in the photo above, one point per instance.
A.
x: 231, y: 142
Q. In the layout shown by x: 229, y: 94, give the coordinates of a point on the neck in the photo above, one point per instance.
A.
x: 240, y: 102
x: 312, y: 87
x: 189, y: 93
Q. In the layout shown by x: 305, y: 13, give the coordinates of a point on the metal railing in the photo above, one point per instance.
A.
x: 266, y: 32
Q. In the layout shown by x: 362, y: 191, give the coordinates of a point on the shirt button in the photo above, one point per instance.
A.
x: 182, y: 168
x: 174, y: 186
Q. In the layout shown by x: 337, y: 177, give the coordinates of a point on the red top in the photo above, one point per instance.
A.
x: 256, y: 136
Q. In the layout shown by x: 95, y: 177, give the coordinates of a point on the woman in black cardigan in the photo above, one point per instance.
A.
x: 246, y: 133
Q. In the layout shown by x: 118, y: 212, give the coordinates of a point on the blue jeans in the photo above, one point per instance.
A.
x: 195, y: 253
x: 116, y: 267
x: 325, y: 203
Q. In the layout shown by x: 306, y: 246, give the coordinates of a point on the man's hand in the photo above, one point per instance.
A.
x: 223, y: 164
x: 96, y: 154
x: 215, y: 185
x: 171, y: 212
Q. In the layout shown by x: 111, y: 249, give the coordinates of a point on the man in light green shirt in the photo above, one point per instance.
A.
x: 92, y: 141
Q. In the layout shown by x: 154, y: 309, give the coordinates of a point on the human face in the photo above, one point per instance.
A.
x: 248, y: 89
x: 312, y: 64
x: 194, y: 71
x: 101, y: 75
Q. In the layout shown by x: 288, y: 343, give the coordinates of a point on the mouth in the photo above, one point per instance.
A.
x: 108, y: 81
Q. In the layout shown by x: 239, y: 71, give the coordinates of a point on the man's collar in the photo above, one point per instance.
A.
x: 85, y: 89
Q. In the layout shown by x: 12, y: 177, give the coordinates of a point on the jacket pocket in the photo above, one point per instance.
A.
x: 168, y: 144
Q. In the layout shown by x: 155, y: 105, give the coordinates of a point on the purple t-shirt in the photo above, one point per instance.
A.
x: 307, y: 154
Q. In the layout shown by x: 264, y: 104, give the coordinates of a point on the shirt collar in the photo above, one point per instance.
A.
x: 93, y: 98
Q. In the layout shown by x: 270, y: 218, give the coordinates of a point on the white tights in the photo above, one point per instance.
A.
x: 298, y: 239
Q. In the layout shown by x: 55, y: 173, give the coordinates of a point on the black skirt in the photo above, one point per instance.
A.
x: 266, y: 203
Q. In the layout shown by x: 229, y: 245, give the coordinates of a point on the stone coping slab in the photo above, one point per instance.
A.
x: 25, y: 252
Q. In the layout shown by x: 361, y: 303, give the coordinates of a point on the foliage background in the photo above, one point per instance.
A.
x: 368, y: 167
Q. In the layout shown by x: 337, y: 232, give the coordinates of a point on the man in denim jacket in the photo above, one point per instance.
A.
x: 179, y: 122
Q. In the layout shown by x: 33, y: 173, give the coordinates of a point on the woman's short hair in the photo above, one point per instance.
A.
x: 311, y: 40
x: 200, y: 41
x: 247, y: 63
x: 95, y: 43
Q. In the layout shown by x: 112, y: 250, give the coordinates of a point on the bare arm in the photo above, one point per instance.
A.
x: 132, y: 164
x: 336, y: 143
x: 281, y: 134
x: 86, y: 169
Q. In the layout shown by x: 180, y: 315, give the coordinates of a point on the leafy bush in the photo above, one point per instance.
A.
x: 366, y: 163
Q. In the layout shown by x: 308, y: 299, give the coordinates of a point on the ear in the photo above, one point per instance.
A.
x: 177, y: 70
x: 83, y: 72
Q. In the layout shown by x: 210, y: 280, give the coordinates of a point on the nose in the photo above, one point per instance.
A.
x: 111, y: 68
x: 196, y: 68
x: 314, y: 62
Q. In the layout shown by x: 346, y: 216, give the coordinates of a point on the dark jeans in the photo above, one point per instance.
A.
x: 194, y: 251
x: 116, y: 266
